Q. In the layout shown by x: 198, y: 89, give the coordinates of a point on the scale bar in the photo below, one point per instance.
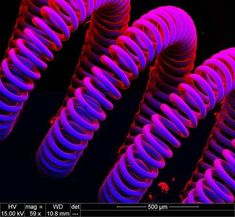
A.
x: 131, y: 207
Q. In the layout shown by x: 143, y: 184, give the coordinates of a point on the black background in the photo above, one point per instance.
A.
x: 19, y: 179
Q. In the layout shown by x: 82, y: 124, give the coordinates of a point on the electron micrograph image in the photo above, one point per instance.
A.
x: 117, y: 101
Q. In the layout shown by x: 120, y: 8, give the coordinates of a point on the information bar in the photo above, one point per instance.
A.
x: 142, y: 209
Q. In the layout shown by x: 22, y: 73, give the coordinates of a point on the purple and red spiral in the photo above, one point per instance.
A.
x: 176, y: 98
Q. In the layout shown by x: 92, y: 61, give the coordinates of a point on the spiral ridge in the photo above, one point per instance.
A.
x: 160, y: 30
x: 220, y: 141
x: 41, y: 27
x: 134, y: 172
x: 217, y: 184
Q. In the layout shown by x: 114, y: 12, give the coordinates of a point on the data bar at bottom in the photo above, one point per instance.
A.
x: 96, y: 209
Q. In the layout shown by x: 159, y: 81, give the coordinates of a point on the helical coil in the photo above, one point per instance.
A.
x: 221, y: 139
x: 112, y: 56
x: 140, y: 164
x: 217, y: 184
x: 41, y: 27
x: 163, y: 29
x: 103, y: 31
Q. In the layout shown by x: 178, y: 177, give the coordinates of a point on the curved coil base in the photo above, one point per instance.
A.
x: 160, y: 30
x: 140, y: 164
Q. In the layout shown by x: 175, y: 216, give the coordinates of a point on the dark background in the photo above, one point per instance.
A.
x: 19, y: 179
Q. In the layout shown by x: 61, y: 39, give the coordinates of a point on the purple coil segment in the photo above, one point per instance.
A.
x: 213, y: 180
x: 134, y: 172
x: 164, y: 30
x: 217, y: 184
x: 41, y: 27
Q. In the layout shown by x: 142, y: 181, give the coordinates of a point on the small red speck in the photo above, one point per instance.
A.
x: 164, y: 187
x: 233, y: 143
x: 52, y: 120
x: 121, y: 150
x: 150, y: 197
x: 173, y: 179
